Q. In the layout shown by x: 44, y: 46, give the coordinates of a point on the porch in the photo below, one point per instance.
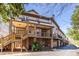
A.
x: 27, y: 33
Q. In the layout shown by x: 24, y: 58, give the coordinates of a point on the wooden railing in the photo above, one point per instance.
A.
x: 21, y: 36
x: 7, y: 39
x: 57, y: 36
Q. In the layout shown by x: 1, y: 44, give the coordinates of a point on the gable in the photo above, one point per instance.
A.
x: 32, y: 12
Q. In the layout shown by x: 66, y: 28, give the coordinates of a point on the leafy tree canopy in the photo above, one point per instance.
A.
x: 74, y: 31
x: 11, y: 10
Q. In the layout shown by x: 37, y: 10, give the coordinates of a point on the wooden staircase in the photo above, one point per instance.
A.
x: 4, y: 41
x: 9, y: 39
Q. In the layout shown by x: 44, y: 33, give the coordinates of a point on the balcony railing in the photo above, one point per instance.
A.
x: 35, y: 20
x: 33, y: 33
x: 43, y: 35
x: 57, y: 36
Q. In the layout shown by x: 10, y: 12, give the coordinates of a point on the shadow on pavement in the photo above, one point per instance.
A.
x: 67, y: 47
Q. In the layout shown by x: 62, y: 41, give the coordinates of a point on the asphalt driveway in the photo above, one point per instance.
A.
x: 70, y: 46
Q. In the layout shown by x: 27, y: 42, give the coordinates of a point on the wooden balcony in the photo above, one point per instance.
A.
x: 38, y: 36
x: 56, y: 36
x: 47, y: 37
x: 30, y: 28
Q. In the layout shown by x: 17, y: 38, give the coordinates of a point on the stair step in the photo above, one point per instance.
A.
x: 7, y: 40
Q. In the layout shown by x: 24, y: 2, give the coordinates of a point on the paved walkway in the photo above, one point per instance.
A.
x: 69, y: 50
x: 56, y: 52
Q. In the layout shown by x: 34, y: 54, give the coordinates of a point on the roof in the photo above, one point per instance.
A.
x: 57, y: 26
x: 52, y: 18
x: 28, y: 13
x: 33, y: 11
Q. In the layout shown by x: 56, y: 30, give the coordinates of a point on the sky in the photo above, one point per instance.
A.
x: 63, y: 20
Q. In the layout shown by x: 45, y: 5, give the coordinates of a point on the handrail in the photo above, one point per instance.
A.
x: 7, y: 35
x: 25, y: 34
x: 8, y: 38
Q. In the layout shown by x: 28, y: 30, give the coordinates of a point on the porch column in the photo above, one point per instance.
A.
x: 34, y: 39
x: 21, y: 43
x: 10, y: 26
x: 51, y: 43
x: 21, y: 46
x: 51, y: 35
x: 60, y: 43
x: 57, y: 43
x: 35, y: 30
x: 12, y: 47
x: 1, y: 46
x: 27, y: 44
x: 14, y: 29
x: 1, y: 49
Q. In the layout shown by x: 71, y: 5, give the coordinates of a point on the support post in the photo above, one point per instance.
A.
x: 51, y: 43
x: 1, y: 45
x: 59, y: 43
x: 35, y: 30
x: 1, y: 49
x: 10, y: 26
x: 21, y: 43
x: 12, y: 47
x: 51, y: 35
x: 34, y: 39
x: 27, y: 44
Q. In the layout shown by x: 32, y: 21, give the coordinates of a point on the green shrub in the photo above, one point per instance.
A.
x: 36, y: 46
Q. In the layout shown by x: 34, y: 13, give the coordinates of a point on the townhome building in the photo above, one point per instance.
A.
x: 59, y: 38
x: 31, y: 27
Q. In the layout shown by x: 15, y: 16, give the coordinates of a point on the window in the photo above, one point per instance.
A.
x: 20, y: 30
x: 22, y: 18
x: 38, y: 32
x: 31, y: 29
x: 44, y: 32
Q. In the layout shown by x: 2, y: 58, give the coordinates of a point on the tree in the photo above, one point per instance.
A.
x: 11, y: 10
x: 74, y: 31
